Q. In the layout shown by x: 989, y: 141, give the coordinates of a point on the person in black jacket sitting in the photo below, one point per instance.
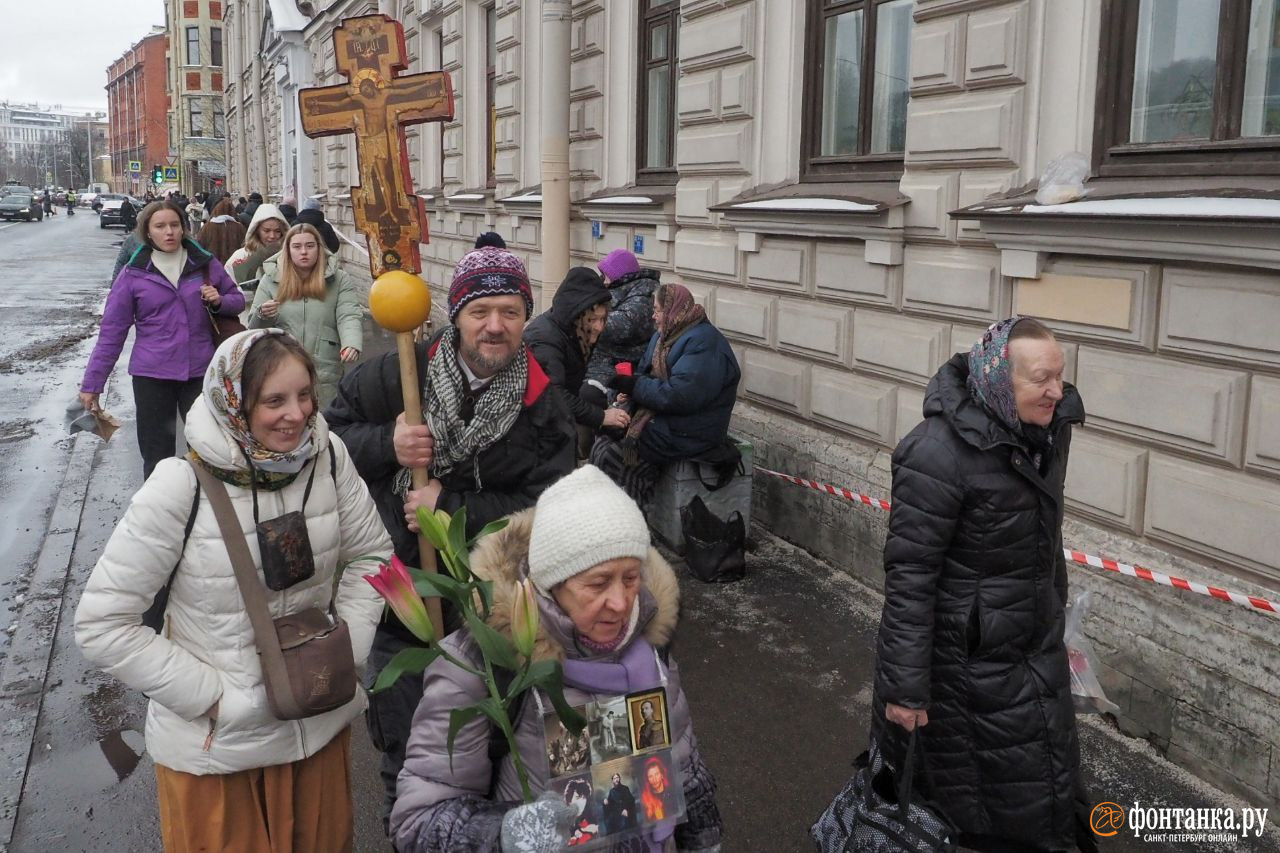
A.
x: 495, y: 436
x: 683, y: 395
x: 562, y: 339
x: 971, y: 639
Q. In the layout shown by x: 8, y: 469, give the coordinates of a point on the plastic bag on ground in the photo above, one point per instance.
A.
x: 1086, y: 691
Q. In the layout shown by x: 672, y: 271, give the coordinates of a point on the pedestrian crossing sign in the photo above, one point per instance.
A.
x: 171, y: 174
x: 135, y: 166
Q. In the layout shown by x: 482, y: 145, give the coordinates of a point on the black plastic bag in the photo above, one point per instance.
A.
x: 714, y: 549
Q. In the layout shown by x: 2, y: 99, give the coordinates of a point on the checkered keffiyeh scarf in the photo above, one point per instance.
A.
x: 443, y: 395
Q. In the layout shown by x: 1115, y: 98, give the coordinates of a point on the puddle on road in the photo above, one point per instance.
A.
x: 123, y: 750
x: 96, y: 767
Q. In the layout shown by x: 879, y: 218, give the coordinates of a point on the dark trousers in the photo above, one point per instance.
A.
x: 390, y: 713
x: 160, y: 402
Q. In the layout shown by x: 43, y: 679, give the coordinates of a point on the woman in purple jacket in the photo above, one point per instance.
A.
x: 166, y: 291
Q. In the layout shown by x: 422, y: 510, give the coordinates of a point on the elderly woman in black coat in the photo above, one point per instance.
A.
x: 971, y: 639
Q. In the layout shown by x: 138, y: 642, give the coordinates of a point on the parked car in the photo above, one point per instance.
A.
x: 110, y: 212
x: 21, y: 206
x: 85, y: 198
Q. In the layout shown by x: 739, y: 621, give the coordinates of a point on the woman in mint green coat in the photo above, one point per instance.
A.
x: 304, y: 291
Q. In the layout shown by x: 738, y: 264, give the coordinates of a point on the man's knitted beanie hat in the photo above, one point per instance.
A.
x: 489, y: 271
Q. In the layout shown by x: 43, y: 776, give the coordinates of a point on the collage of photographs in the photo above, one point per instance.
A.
x: 618, y: 772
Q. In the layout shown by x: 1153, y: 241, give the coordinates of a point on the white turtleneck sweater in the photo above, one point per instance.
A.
x: 170, y: 264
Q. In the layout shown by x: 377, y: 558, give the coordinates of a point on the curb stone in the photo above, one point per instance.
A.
x: 27, y: 665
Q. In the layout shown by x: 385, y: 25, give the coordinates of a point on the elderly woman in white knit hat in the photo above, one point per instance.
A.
x: 609, y: 605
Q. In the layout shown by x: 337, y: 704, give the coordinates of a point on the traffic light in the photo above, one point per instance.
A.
x: 157, y: 175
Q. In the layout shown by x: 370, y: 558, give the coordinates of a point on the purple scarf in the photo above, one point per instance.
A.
x: 636, y: 670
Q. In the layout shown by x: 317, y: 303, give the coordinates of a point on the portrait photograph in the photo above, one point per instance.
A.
x: 660, y: 796
x: 579, y: 794
x: 566, y: 752
x: 618, y: 794
x: 647, y: 715
x: 610, y: 732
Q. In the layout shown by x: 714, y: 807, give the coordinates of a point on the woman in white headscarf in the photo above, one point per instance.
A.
x: 230, y: 775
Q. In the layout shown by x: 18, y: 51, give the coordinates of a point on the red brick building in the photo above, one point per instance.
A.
x: 138, y: 112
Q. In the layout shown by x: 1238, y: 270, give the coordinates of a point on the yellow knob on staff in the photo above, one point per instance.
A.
x: 399, y: 301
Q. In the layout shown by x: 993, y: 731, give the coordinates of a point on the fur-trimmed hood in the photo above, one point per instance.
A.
x: 501, y: 557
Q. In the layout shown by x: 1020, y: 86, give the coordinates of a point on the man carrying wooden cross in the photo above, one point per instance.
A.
x: 492, y: 433
x: 496, y: 435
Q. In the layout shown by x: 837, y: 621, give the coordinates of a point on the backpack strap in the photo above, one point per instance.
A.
x: 154, y: 616
x: 186, y: 534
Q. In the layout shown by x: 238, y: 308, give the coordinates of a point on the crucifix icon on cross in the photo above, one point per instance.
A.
x: 376, y: 105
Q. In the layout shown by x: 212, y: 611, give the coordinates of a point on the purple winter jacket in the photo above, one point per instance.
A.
x: 174, y: 337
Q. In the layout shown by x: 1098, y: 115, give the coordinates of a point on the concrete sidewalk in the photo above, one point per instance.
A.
x: 777, y: 669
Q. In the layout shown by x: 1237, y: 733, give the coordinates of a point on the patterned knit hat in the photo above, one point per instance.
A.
x: 488, y: 272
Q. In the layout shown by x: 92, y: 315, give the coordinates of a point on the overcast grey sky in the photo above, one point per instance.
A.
x: 57, y: 51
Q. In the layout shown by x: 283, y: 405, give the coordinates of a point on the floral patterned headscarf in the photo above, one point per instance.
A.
x: 223, y: 391
x: 990, y: 375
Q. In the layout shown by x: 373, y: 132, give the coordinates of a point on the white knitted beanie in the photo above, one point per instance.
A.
x: 581, y: 521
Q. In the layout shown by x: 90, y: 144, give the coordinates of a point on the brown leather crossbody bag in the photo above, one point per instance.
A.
x: 308, y: 666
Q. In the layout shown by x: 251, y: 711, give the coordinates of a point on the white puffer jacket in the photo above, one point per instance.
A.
x: 206, y: 652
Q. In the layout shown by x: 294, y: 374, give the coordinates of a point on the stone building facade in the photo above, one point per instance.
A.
x: 845, y: 187
x: 197, y: 117
x: 137, y: 110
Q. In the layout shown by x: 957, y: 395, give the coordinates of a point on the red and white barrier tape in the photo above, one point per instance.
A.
x: 1079, y: 557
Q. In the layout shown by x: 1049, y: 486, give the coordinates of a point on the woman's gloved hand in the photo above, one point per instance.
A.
x: 537, y: 827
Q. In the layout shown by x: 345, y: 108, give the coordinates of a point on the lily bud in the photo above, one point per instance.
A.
x: 524, y: 617
x: 395, y: 585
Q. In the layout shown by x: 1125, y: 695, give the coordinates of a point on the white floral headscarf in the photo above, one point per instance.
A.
x: 224, y: 394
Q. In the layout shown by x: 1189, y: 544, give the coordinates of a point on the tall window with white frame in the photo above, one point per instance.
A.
x: 193, y: 45
x: 490, y: 96
x: 196, y: 113
x: 658, y: 69
x: 856, y: 89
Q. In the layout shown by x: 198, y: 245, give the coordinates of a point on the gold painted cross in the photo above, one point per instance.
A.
x: 376, y: 105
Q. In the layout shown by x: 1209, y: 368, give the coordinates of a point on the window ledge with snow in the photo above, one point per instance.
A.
x: 1207, y: 226
x: 633, y: 205
x: 872, y: 213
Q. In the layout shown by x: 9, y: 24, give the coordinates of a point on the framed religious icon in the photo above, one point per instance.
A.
x: 647, y: 715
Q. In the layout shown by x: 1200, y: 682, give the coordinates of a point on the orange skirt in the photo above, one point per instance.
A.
x: 303, y: 807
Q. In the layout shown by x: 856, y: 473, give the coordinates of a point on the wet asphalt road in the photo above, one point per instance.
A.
x: 53, y: 277
x: 777, y: 667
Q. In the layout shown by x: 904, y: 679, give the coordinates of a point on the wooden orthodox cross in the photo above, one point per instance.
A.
x: 375, y: 104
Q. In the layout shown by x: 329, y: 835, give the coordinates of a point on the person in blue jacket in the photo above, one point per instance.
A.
x: 682, y: 395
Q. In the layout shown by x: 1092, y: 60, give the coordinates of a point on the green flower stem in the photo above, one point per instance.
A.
x: 509, y: 732
x: 462, y: 666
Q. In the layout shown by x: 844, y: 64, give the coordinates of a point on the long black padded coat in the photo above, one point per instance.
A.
x: 972, y: 629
